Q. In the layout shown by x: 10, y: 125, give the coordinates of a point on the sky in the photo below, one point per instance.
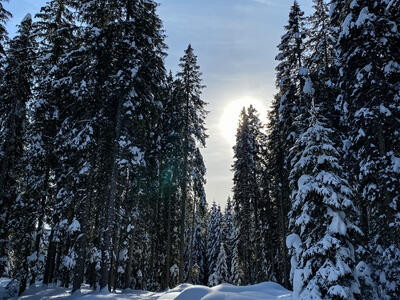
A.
x: 235, y: 41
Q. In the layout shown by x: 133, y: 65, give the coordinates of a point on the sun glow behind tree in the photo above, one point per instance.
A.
x: 230, y: 118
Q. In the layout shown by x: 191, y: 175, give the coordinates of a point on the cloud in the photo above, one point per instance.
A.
x: 265, y: 2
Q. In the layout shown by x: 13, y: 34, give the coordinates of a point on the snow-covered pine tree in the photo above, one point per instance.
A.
x: 248, y: 204
x: 268, y: 227
x: 141, y: 52
x: 171, y: 144
x: 243, y: 189
x: 55, y: 31
x: 237, y: 273
x: 228, y: 234
x: 259, y: 204
x: 198, y: 206
x: 273, y: 193
x: 322, y: 217
x: 199, y: 251
x: 192, y: 110
x: 4, y: 16
x: 322, y: 71
x: 17, y: 221
x: 220, y: 274
x: 289, y: 104
x: 320, y: 38
x: 370, y: 95
x: 214, y: 239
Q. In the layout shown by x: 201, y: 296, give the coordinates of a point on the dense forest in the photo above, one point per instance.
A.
x: 102, y: 177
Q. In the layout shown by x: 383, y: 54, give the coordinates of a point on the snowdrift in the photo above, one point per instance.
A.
x: 262, y: 291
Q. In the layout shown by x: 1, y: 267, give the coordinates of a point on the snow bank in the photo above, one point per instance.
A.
x: 261, y: 291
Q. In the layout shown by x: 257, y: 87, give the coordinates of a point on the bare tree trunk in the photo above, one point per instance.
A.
x: 84, y: 216
x: 55, y: 275
x: 114, y: 260
x: 129, y: 265
x: 50, y: 260
x: 168, y: 242
x: 116, y: 239
x: 110, y: 207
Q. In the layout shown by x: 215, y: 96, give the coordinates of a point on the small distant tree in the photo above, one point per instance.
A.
x: 220, y: 274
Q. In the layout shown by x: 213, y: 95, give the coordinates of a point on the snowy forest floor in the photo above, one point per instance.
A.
x: 261, y: 291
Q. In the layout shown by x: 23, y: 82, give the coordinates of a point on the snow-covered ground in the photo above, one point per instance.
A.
x: 262, y: 291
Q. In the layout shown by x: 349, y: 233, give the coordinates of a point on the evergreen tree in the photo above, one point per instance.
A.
x: 273, y: 194
x: 18, y: 219
x: 214, y: 239
x: 243, y: 189
x: 323, y: 258
x: 237, y: 273
x: 259, y: 204
x: 228, y: 234
x: 220, y: 274
x: 199, y: 251
x: 248, y: 167
x: 171, y: 143
x: 290, y: 107
x: 54, y: 29
x: 4, y: 16
x: 189, y: 89
x: 198, y: 205
x: 369, y: 99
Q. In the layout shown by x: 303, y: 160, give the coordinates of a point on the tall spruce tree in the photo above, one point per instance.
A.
x: 194, y: 132
x: 243, y: 189
x: 323, y: 258
x: 369, y: 98
x: 290, y: 103
x: 55, y: 33
x: 171, y: 143
x: 273, y: 194
x: 4, y: 16
x: 18, y: 219
x: 259, y: 204
x: 247, y: 170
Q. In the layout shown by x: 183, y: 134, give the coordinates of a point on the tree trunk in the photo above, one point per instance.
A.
x: 189, y: 279
x: 110, y: 207
x: 50, y: 260
x: 39, y: 234
x: 283, y: 211
x: 184, y: 190
x: 129, y: 266
x: 4, y: 238
x: 84, y: 216
x: 168, y: 242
